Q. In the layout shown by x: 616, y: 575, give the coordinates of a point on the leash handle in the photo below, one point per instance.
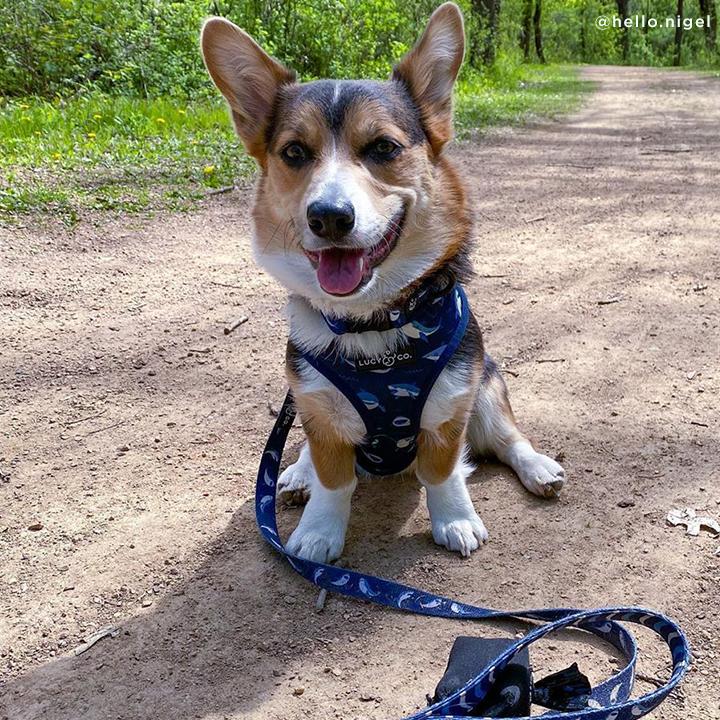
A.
x: 609, y: 700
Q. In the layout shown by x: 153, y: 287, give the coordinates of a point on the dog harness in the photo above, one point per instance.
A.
x: 389, y: 392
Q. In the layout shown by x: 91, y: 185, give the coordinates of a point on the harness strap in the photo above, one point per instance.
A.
x: 610, y: 700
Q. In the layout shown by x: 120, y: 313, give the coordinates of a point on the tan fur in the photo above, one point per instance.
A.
x: 331, y: 438
x: 248, y: 78
x: 439, y: 452
x: 505, y: 422
x: 431, y: 66
x: 452, y: 197
x: 333, y: 454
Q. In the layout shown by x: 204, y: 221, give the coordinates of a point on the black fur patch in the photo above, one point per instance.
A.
x: 470, y: 348
x: 293, y: 357
x: 335, y: 97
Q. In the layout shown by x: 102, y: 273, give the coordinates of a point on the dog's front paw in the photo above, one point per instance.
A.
x: 295, y: 482
x: 542, y: 476
x: 461, y: 534
x: 317, y: 544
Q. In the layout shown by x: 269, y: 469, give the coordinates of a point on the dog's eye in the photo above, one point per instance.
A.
x: 383, y: 149
x: 295, y: 154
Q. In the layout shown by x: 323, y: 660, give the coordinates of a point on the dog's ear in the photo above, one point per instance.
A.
x: 429, y: 71
x: 247, y: 76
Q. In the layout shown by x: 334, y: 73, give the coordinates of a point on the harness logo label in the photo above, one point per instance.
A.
x: 388, y: 360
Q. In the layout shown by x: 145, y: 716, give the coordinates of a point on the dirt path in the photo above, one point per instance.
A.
x: 131, y: 429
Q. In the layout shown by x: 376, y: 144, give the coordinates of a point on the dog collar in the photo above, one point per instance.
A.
x: 436, y: 285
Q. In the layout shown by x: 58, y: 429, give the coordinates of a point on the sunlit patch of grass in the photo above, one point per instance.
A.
x: 114, y: 154
x: 509, y: 95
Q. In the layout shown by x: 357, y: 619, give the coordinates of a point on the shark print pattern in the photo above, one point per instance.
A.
x: 610, y: 700
x: 389, y: 392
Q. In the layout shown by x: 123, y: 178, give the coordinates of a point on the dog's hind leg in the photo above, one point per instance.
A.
x: 296, y: 481
x: 492, y: 430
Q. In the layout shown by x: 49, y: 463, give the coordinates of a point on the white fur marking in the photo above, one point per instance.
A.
x: 296, y: 481
x: 455, y: 524
x: 320, y: 534
x: 540, y: 474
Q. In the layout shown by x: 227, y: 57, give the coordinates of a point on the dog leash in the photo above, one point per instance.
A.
x: 610, y: 700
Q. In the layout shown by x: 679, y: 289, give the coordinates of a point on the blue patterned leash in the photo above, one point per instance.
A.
x: 609, y: 700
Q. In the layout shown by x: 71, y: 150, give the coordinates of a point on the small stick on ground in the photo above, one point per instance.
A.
x: 320, y: 602
x: 537, y: 219
x: 611, y: 300
x: 240, y: 321
x: 109, y: 427
x: 650, y: 679
x: 227, y: 285
x: 493, y: 276
x: 510, y: 372
x: 220, y: 190
x: 665, y: 150
x: 83, y: 419
x: 322, y: 595
x: 550, y: 360
x: 572, y: 165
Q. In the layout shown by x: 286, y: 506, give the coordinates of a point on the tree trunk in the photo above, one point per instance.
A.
x: 494, y: 19
x: 707, y: 9
x: 526, y: 29
x: 537, y: 22
x: 484, y: 46
x: 583, y: 32
x: 622, y: 6
x: 677, y: 57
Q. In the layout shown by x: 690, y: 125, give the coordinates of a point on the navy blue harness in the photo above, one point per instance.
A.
x: 389, y: 391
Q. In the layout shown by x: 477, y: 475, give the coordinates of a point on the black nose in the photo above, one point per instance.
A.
x: 331, y: 220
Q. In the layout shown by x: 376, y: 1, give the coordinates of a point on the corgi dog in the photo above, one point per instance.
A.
x: 361, y: 216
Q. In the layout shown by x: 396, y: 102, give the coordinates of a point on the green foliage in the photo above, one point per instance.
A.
x: 508, y: 94
x: 149, y: 48
x: 138, y: 47
x: 114, y: 153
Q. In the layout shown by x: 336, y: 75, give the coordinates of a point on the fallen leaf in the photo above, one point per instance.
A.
x: 693, y: 522
x: 109, y: 631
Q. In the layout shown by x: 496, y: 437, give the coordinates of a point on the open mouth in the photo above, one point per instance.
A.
x: 341, y: 271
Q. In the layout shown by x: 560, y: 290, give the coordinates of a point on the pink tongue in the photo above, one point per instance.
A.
x: 340, y: 272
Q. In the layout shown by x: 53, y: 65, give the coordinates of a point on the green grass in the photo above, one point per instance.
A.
x: 510, y: 95
x: 113, y: 153
x: 100, y: 153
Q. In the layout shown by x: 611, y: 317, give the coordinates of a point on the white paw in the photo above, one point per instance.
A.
x: 541, y: 475
x: 320, y: 534
x: 463, y: 534
x: 296, y: 481
x: 318, y: 544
